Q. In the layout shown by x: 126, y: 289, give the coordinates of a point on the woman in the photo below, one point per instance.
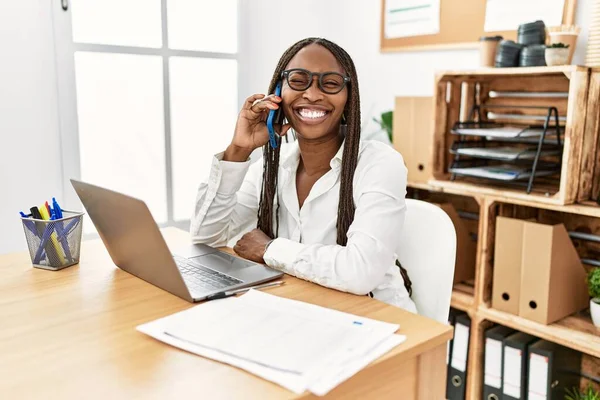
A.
x: 327, y: 207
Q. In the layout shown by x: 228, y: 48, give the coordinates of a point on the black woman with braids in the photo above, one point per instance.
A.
x: 327, y: 207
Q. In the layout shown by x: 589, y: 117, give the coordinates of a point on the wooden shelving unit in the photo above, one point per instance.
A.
x: 463, y: 298
x: 571, y: 198
x: 575, y: 331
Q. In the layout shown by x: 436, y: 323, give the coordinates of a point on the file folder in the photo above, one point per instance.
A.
x: 507, y: 264
x: 514, y: 376
x: 455, y: 389
x: 451, y: 321
x: 552, y: 369
x: 493, y: 366
x: 552, y: 273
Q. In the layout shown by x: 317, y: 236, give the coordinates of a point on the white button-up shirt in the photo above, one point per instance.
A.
x: 306, y: 247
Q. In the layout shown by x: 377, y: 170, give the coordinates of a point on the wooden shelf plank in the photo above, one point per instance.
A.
x: 537, y: 201
x: 576, y: 332
x: 559, y: 69
x: 462, y: 301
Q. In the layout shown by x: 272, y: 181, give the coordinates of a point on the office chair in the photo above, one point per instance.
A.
x: 428, y: 252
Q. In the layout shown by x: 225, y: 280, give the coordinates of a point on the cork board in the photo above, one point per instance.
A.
x: 461, y: 25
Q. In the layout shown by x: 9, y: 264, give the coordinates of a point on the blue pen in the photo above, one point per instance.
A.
x: 29, y: 224
x: 57, y: 210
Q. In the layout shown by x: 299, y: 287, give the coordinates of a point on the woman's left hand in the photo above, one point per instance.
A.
x: 252, y: 246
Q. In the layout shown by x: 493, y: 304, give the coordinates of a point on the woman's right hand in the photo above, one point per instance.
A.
x: 251, y: 128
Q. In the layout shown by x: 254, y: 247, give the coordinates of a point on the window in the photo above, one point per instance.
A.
x: 148, y: 92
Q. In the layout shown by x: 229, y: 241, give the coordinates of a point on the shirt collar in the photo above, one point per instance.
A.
x: 290, y: 159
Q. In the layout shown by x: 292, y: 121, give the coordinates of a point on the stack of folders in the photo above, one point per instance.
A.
x: 297, y: 345
x: 458, y: 353
x: 521, y: 366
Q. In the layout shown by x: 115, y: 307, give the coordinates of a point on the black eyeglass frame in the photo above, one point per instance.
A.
x: 286, y: 74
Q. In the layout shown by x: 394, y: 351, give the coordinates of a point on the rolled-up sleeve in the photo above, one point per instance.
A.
x: 360, y: 265
x: 227, y: 203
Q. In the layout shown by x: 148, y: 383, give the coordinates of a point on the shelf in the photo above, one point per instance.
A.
x: 508, y: 196
x: 564, y: 69
x: 463, y: 298
x: 576, y: 332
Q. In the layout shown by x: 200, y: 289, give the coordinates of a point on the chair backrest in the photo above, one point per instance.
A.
x: 428, y: 252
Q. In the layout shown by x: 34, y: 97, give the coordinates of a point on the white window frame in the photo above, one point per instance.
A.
x: 65, y: 50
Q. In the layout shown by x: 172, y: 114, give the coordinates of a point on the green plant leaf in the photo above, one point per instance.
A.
x: 573, y: 394
x: 593, y: 282
x: 386, y: 123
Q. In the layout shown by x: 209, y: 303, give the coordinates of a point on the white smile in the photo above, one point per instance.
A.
x: 312, y: 115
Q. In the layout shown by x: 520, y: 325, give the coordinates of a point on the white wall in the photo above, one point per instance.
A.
x: 270, y: 26
x: 30, y: 162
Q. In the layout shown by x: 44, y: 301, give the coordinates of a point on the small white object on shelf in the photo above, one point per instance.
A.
x: 500, y: 172
x: 504, y: 132
x: 503, y: 153
x: 595, y: 311
x: 556, y: 56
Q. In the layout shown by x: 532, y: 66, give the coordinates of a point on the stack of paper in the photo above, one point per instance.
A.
x: 296, y: 345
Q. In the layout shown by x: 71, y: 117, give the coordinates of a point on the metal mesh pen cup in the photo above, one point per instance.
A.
x: 54, y: 244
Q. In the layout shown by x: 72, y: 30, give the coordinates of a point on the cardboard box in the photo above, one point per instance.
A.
x: 552, y: 278
x: 507, y: 264
x: 466, y: 248
x: 537, y: 271
x: 413, y: 135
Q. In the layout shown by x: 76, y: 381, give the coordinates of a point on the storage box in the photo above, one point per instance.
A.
x: 507, y: 264
x: 537, y: 271
x: 517, y: 96
x: 552, y: 277
x: 413, y: 127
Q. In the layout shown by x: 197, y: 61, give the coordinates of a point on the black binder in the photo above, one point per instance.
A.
x: 494, y: 363
x: 515, y: 357
x: 457, y: 370
x: 552, y: 369
x: 451, y: 320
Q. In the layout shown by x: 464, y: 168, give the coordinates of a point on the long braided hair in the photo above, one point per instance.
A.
x: 345, y: 214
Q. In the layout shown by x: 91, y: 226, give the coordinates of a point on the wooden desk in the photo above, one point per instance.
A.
x: 71, y: 334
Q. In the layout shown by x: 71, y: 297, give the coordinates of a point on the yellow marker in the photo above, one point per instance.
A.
x: 53, y: 237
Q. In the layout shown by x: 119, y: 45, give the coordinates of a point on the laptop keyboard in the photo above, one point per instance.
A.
x: 201, y: 278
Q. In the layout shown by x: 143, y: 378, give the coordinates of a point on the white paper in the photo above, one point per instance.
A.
x: 538, y: 377
x: 237, y: 330
x: 335, y: 377
x: 507, y: 15
x: 411, y: 18
x: 512, y: 372
x: 493, y: 363
x: 460, y: 347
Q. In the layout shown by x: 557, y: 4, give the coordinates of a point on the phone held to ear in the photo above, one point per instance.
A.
x: 274, y: 117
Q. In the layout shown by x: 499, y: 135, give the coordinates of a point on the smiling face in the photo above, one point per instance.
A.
x: 312, y: 113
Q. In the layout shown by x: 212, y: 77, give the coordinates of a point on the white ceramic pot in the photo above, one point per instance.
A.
x: 556, y: 56
x: 595, y: 311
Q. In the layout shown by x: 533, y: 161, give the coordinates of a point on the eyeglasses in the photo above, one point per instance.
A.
x: 329, y: 82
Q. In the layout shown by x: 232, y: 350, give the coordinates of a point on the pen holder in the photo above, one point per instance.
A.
x: 54, y: 244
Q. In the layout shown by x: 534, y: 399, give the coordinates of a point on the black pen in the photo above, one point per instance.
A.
x: 229, y: 293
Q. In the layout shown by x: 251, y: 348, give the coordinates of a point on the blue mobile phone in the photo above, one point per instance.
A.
x: 274, y: 117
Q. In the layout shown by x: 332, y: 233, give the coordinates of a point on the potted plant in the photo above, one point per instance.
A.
x: 386, y: 123
x: 575, y: 394
x: 593, y: 281
x: 557, y: 54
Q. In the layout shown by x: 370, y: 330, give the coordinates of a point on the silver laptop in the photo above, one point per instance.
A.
x: 136, y: 245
